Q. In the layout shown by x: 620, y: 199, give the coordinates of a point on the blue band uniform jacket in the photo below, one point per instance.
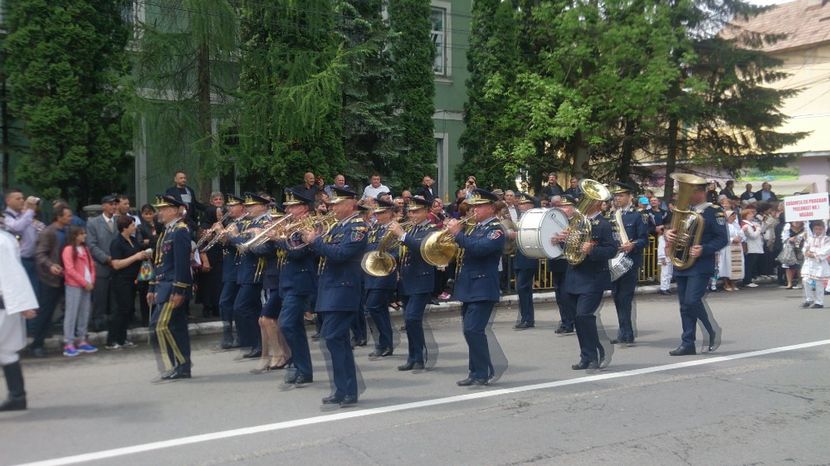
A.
x: 341, y: 251
x: 637, y: 226
x: 417, y: 276
x: 715, y: 237
x: 251, y: 265
x: 230, y: 256
x: 172, y: 273
x: 592, y: 274
x: 478, y: 269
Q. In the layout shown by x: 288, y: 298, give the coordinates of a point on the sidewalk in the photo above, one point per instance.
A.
x: 215, y: 327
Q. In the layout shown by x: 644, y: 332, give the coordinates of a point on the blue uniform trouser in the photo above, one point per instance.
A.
x: 623, y: 290
x: 475, y: 319
x: 414, y: 317
x: 567, y: 313
x: 586, y: 325
x: 335, y: 331
x: 690, y: 292
x: 359, y: 325
x: 377, y: 305
x: 524, y: 287
x: 246, y: 309
x: 293, y: 329
x: 226, y: 300
x: 168, y: 334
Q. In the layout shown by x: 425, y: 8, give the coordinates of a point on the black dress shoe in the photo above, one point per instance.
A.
x: 563, y: 331
x: 381, y: 353
x: 254, y: 353
x: 418, y: 366
x: 817, y: 306
x: 179, y: 372
x: 361, y: 343
x: 622, y: 341
x: 348, y: 401
x: 524, y: 325
x: 665, y: 292
x: 408, y: 366
x: 682, y: 351
x: 583, y: 365
x: 714, y: 341
x: 806, y: 304
x: 470, y: 381
x: 14, y: 403
x: 302, y: 379
x: 333, y: 400
x: 37, y: 352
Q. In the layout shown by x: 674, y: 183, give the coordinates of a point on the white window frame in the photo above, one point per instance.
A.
x: 447, y: 35
x: 442, y: 164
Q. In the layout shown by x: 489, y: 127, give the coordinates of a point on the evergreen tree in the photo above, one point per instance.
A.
x: 413, y: 89
x: 64, y: 62
x: 290, y: 91
x: 369, y: 128
x: 183, y: 80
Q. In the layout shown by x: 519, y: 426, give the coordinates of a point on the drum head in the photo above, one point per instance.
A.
x: 536, y: 228
x: 554, y: 223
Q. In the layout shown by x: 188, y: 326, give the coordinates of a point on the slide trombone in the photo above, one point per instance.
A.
x: 208, y: 235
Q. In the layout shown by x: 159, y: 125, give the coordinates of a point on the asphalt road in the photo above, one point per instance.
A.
x: 730, y: 407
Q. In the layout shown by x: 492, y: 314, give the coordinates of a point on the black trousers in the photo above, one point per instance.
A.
x: 125, y: 290
x: 103, y: 299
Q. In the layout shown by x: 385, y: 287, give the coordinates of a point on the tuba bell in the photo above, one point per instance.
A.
x: 380, y: 263
x: 687, y: 224
x: 579, y: 227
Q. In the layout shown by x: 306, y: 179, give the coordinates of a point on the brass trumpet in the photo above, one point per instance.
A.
x: 209, y: 235
x: 220, y: 236
x: 263, y: 236
x: 439, y: 247
x: 380, y: 263
x: 322, y: 223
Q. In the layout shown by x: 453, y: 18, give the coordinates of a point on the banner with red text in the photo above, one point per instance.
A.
x: 807, y: 207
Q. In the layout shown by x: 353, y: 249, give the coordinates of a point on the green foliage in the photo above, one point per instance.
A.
x: 64, y: 62
x: 413, y: 89
x: 290, y: 92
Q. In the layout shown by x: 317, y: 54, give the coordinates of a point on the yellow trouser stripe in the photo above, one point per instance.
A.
x: 164, y: 333
x: 162, y: 339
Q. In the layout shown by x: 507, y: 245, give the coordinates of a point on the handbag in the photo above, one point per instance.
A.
x: 145, y: 273
x: 788, y: 255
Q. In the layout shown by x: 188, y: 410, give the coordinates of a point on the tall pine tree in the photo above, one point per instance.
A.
x: 413, y: 89
x: 65, y: 60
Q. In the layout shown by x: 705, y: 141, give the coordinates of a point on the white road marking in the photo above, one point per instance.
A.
x: 225, y: 434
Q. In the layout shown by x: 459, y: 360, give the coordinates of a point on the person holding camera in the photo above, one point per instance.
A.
x: 21, y: 222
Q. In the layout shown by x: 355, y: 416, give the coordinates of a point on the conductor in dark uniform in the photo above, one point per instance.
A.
x: 298, y: 284
x: 525, y: 268
x: 248, y: 303
x: 637, y: 227
x: 417, y: 280
x: 339, y: 294
x: 379, y: 290
x: 170, y: 289
x: 477, y: 282
x: 692, y: 282
x: 584, y: 285
x: 229, y: 270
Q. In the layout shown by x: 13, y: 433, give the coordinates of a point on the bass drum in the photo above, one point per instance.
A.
x: 536, y: 228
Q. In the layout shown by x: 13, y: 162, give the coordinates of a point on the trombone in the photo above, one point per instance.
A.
x: 208, y: 236
x: 263, y: 236
x: 322, y: 223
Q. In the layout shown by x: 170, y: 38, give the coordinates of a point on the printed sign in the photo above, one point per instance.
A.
x: 807, y: 207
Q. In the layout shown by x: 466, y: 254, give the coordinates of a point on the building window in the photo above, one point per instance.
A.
x: 441, y: 154
x: 440, y: 32
x: 132, y: 12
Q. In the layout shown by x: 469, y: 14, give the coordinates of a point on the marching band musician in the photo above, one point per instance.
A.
x: 275, y: 350
x: 298, y: 284
x: 229, y: 271
x: 477, y: 282
x: 359, y: 328
x: 417, y: 280
x: 584, y: 285
x: 248, y: 305
x: 559, y: 268
x: 692, y: 282
x: 637, y: 225
x: 338, y: 297
x: 170, y: 288
x: 379, y: 290
x: 525, y: 268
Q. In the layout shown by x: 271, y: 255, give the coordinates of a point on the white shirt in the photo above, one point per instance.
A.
x: 372, y: 192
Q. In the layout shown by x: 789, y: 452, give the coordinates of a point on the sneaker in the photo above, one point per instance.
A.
x: 113, y: 346
x: 70, y: 351
x: 128, y: 344
x: 85, y: 347
x: 752, y: 285
x: 797, y: 287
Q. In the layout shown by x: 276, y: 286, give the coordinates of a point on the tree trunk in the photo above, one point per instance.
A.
x: 4, y: 114
x: 671, y: 157
x: 627, y: 156
x: 205, y: 126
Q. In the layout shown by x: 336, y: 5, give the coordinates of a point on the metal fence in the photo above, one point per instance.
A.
x: 543, y: 280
